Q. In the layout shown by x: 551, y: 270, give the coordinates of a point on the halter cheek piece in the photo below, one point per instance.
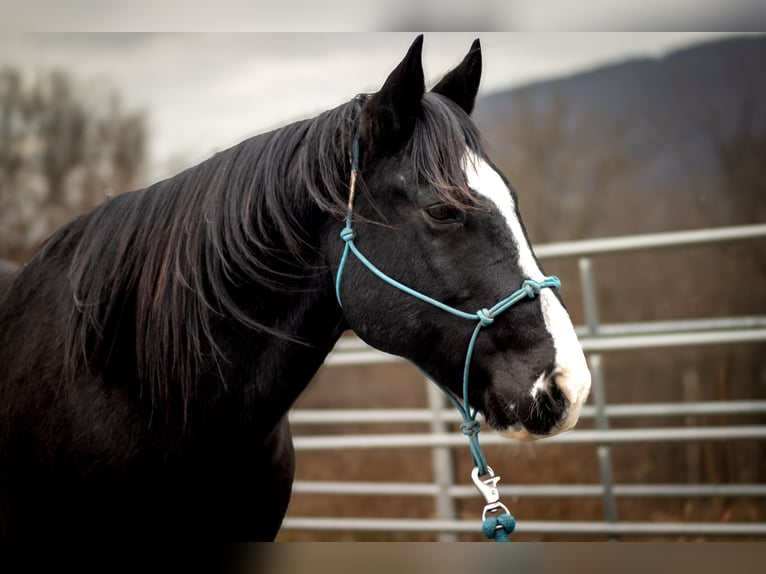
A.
x: 494, y: 526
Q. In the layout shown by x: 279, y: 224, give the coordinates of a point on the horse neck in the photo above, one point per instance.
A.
x: 204, y: 262
x: 272, y: 370
x: 301, y: 318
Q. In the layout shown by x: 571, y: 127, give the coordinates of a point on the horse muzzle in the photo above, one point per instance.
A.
x: 552, y: 406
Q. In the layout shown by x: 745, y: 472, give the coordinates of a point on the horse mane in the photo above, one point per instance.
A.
x: 155, y: 270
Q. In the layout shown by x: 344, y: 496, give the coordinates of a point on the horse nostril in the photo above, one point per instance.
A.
x: 553, y: 405
x: 554, y: 397
x: 567, y: 389
x: 571, y: 393
x: 554, y: 389
x: 549, y: 405
x: 551, y: 387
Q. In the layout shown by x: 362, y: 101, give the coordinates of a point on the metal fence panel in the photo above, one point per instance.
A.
x: 597, y: 339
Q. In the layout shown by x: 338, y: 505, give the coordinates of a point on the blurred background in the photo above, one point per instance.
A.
x: 602, y: 134
x: 86, y: 115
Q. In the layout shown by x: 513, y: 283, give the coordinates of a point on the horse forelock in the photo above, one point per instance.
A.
x: 436, y: 150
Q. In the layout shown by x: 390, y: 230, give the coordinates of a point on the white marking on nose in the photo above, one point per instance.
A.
x: 538, y: 386
x: 571, y: 372
x: 484, y: 180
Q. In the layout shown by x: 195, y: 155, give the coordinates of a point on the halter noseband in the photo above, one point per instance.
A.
x: 484, y: 318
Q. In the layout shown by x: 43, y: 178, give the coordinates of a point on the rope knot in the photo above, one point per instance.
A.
x: 531, y: 288
x: 485, y: 317
x: 347, y: 234
x: 498, y: 528
x: 470, y: 428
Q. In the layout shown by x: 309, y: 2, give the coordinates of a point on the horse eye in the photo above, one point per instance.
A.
x: 444, y: 213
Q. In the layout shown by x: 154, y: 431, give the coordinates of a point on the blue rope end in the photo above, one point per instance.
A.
x: 498, y: 528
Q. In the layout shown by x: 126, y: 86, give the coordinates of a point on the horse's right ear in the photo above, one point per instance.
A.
x: 388, y: 116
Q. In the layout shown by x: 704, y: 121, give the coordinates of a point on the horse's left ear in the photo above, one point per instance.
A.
x: 462, y: 84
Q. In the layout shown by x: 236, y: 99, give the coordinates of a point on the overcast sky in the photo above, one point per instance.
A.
x: 204, y: 92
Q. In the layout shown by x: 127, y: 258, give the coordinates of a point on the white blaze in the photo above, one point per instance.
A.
x: 571, y: 371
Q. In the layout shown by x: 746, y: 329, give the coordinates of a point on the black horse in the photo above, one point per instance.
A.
x: 150, y: 350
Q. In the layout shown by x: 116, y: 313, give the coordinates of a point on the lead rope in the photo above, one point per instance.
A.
x: 495, y: 525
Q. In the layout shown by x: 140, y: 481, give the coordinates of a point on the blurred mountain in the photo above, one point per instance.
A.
x: 687, y: 131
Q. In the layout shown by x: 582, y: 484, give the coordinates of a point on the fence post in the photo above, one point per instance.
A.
x: 442, y: 460
x: 598, y: 390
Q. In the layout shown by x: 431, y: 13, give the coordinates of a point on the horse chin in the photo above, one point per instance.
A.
x: 505, y: 423
x: 519, y: 433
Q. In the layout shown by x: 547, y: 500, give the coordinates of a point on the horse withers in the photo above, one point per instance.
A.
x: 151, y: 349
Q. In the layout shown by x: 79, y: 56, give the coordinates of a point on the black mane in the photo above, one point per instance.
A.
x: 156, y: 269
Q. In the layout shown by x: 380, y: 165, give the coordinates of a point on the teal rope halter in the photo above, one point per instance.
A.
x: 498, y: 526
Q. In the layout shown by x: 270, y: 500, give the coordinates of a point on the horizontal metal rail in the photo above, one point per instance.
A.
x: 528, y: 527
x: 670, y: 239
x: 356, y: 488
x: 612, y: 337
x: 611, y: 436
x: 352, y: 343
x: 675, y: 326
x: 377, y: 416
x: 662, y: 340
x: 599, y: 344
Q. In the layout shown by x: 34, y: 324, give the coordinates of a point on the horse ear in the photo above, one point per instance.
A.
x: 388, y: 116
x: 462, y: 84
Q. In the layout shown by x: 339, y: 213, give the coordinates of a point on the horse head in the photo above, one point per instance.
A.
x: 434, y: 213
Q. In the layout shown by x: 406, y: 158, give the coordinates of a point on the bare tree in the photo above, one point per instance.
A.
x: 740, y: 156
x: 573, y: 168
x: 62, y: 149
